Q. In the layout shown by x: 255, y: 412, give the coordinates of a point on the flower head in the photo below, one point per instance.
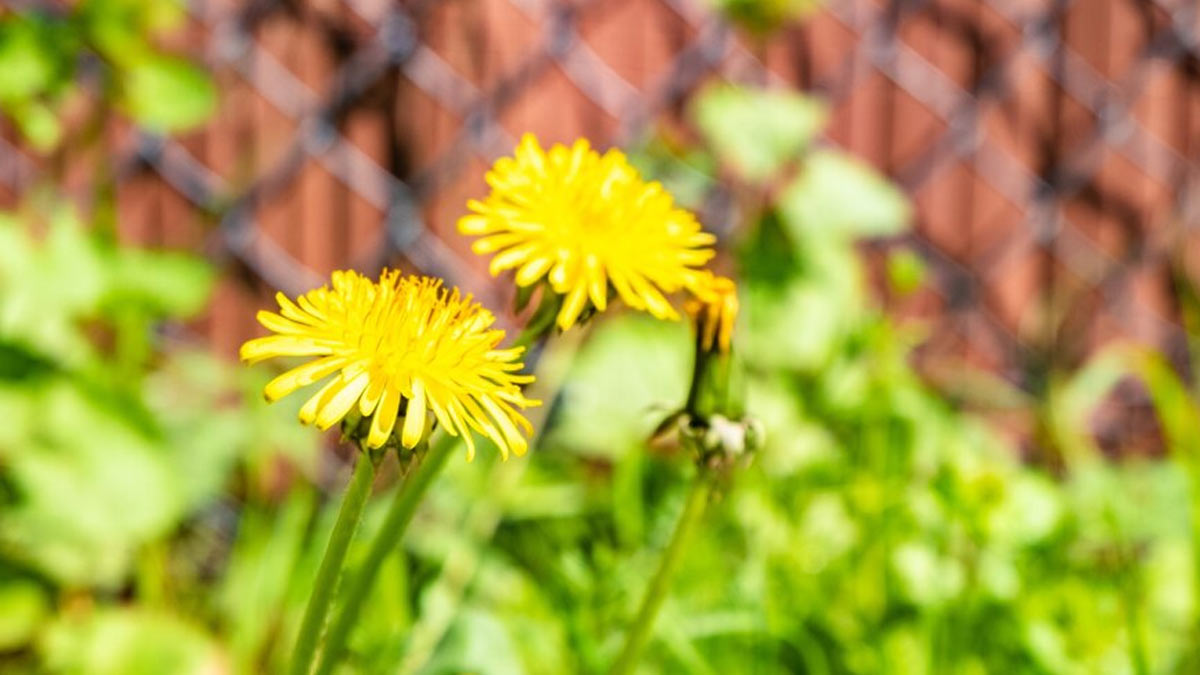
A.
x: 586, y: 222
x: 396, y: 349
x: 715, y: 310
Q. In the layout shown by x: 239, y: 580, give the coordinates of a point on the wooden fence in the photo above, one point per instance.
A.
x: 1047, y: 144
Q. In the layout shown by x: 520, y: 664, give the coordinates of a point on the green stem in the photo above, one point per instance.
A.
x: 391, y: 533
x: 639, y: 634
x: 542, y: 321
x: 331, y: 565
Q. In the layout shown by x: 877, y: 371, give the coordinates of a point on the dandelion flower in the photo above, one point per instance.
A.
x: 398, y: 349
x: 715, y: 310
x: 585, y: 222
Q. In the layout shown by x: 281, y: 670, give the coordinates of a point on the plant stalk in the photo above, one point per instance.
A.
x: 391, y: 533
x: 331, y: 565
x: 639, y: 634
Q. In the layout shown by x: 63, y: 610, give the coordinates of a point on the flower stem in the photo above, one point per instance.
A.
x: 541, y: 322
x: 331, y: 565
x: 399, y: 515
x: 643, y: 626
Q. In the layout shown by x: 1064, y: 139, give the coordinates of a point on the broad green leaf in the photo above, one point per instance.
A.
x: 167, y: 284
x: 26, y: 61
x: 23, y: 610
x: 835, y: 195
x: 798, y: 327
x: 764, y: 16
x: 1030, y: 511
x: 794, y: 443
x: 90, y: 487
x: 926, y: 577
x: 116, y: 30
x: 130, y: 642
x: 905, y: 271
x: 632, y: 373
x: 168, y: 94
x: 757, y: 132
x: 38, y: 124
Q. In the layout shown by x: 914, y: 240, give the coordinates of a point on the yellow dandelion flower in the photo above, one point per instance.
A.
x: 400, y: 347
x: 715, y: 310
x: 585, y: 222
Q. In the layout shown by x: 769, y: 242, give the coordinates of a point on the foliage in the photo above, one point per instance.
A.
x: 111, y: 445
x: 155, y: 517
x: 50, y: 59
x: 880, y: 529
x: 761, y: 17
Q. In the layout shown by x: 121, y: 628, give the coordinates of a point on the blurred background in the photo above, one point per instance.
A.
x: 963, y: 232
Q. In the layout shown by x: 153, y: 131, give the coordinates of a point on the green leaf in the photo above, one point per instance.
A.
x: 168, y: 94
x: 757, y: 132
x: 905, y: 271
x: 836, y: 195
x: 130, y: 642
x: 17, y: 362
x: 122, y: 29
x: 90, y: 487
x: 39, y: 125
x: 801, y: 323
x: 1030, y: 511
x: 925, y: 577
x: 252, y: 593
x: 1173, y: 404
x: 632, y: 373
x: 166, y: 284
x: 764, y: 16
x: 28, y: 66
x: 23, y: 609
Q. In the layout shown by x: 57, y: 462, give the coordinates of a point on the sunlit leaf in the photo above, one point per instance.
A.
x: 631, y: 374
x: 764, y: 16
x: 168, y: 94
x: 23, y: 609
x: 165, y: 283
x: 130, y: 642
x: 27, y: 62
x: 835, y: 195
x: 757, y: 132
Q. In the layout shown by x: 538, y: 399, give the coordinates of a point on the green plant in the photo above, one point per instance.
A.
x: 42, y: 54
x: 112, y: 444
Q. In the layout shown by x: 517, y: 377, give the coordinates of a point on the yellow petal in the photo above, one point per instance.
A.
x: 385, y: 418
x: 370, y: 397
x: 308, y: 412
x: 597, y: 285
x: 572, y: 306
x: 456, y: 413
x: 474, y: 224
x: 414, y: 418
x: 341, y: 401
x: 533, y: 270
x: 289, y: 309
x: 435, y: 396
x: 302, y: 376
x: 656, y: 304
x: 495, y: 242
x: 511, y: 438
x: 278, y: 324
x: 260, y: 349
x: 511, y: 258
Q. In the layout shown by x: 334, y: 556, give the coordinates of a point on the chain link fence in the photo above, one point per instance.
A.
x: 1048, y: 144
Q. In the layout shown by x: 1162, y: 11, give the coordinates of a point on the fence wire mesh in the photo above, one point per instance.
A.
x: 1048, y: 144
